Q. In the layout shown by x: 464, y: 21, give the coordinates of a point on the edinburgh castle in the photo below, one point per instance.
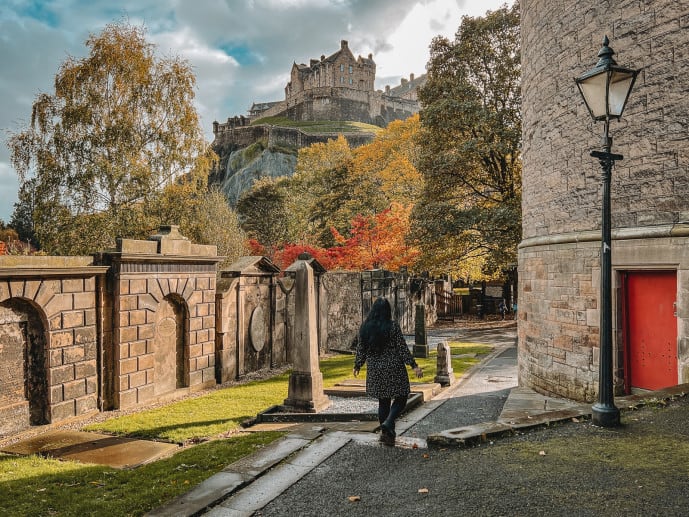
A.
x: 339, y: 87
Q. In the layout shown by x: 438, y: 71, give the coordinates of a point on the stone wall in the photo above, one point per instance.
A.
x: 561, y: 180
x: 251, y: 326
x: 149, y: 322
x: 48, y: 339
x: 163, y: 318
x: 332, y: 103
x: 281, y: 136
x: 559, y: 257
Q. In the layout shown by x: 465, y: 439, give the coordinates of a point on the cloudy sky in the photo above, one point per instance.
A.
x: 240, y: 50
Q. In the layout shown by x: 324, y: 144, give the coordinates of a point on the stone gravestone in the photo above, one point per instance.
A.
x: 444, y: 374
x: 420, y: 342
x: 305, y: 392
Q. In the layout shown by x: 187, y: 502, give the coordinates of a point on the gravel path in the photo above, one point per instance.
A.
x: 573, y: 469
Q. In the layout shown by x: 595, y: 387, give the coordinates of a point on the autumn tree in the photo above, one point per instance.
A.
x: 319, y: 192
x: 333, y: 183
x: 203, y: 215
x: 469, y: 214
x: 288, y: 254
x: 263, y: 214
x: 384, y: 171
x: 376, y: 241
x: 119, y: 127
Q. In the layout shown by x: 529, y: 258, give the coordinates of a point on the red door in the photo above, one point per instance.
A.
x: 651, y: 329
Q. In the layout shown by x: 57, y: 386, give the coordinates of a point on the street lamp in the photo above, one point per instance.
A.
x: 605, y: 90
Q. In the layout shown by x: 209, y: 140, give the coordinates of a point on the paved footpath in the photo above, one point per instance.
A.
x: 268, y: 482
x: 344, y: 470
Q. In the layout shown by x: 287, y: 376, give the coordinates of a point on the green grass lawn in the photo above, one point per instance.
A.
x: 31, y: 485
x: 38, y: 486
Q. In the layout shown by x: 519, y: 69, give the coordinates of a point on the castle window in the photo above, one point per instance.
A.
x: 342, y: 79
x: 342, y: 68
x: 351, y: 69
x: 350, y: 81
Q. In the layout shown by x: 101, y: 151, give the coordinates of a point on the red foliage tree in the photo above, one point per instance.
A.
x: 376, y: 241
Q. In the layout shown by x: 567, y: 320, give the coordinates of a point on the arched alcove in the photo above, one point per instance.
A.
x: 171, y: 363
x: 23, y: 366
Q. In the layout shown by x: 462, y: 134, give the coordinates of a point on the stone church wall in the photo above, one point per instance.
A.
x: 559, y: 266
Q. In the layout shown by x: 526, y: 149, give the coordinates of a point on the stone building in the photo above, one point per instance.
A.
x: 559, y: 267
x: 340, y: 69
x: 338, y: 87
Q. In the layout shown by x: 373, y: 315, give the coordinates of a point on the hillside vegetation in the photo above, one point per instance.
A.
x: 319, y: 126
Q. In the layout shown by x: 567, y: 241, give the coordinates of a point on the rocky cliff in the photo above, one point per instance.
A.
x: 248, y: 153
x: 245, y: 165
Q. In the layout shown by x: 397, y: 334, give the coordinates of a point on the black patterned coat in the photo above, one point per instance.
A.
x: 386, y: 374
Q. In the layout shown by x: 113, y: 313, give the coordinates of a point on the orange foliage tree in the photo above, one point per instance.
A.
x: 376, y: 241
x: 290, y: 252
x: 384, y: 171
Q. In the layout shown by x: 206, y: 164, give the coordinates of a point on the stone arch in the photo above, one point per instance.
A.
x: 24, y: 361
x: 170, y: 345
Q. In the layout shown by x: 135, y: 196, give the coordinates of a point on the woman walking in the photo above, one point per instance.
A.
x: 383, y: 348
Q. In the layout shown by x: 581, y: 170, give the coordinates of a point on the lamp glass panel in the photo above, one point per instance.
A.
x: 620, y: 83
x: 593, y: 91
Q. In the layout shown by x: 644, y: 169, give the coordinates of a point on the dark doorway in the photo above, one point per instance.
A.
x: 23, y: 365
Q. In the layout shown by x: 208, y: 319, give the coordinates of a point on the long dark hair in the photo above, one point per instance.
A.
x: 374, y: 333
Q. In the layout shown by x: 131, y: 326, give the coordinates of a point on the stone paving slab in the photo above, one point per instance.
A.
x: 233, y: 477
x: 101, y: 449
x: 273, y: 483
x: 357, y: 388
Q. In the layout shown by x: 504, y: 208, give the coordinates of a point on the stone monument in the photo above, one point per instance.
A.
x: 444, y: 374
x: 420, y: 343
x: 305, y: 392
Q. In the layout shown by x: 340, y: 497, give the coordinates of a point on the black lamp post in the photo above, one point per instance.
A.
x: 605, y: 90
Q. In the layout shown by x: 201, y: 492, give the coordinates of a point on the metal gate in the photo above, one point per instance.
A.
x: 386, y: 284
x: 448, y: 305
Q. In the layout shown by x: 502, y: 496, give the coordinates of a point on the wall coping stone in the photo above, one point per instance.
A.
x: 25, y: 272
x: 168, y: 242
x: 163, y: 259
x: 44, y: 261
x: 43, y: 266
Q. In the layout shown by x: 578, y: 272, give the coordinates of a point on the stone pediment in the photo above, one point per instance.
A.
x: 248, y: 266
x: 317, y: 267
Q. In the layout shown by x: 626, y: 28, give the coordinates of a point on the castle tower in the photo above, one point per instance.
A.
x: 559, y: 266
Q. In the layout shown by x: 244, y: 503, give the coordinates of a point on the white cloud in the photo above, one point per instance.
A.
x: 9, y: 185
x: 241, y: 50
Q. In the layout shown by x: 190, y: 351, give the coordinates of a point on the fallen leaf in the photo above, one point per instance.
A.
x: 426, y: 456
x: 542, y: 453
x: 40, y: 490
x: 423, y: 490
x: 354, y: 498
x: 575, y: 420
x: 415, y: 446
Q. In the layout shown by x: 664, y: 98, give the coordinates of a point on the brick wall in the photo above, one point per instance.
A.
x: 559, y: 267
